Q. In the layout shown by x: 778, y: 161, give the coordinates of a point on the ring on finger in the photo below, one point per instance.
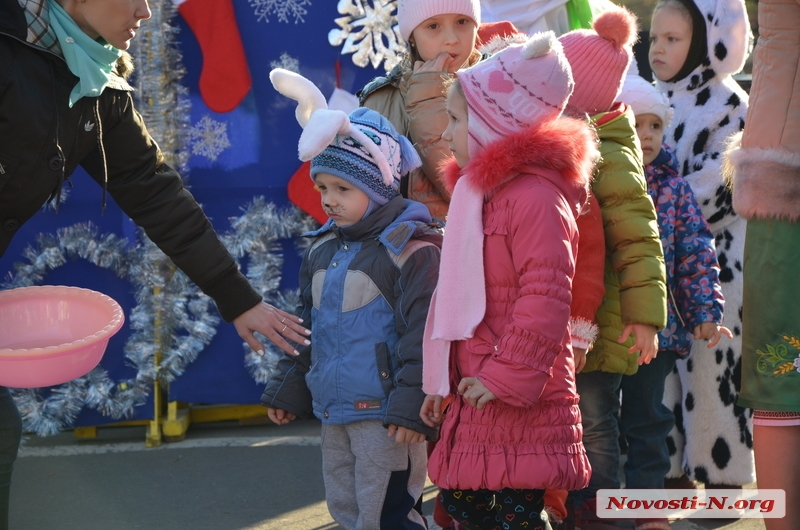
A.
x: 283, y: 320
x: 284, y: 328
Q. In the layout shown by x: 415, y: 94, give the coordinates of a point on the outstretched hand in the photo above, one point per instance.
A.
x: 278, y: 326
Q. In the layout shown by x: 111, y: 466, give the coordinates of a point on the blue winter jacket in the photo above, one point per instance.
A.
x: 693, y: 289
x: 365, y: 294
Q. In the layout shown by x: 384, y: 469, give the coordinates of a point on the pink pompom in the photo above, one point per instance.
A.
x: 617, y: 25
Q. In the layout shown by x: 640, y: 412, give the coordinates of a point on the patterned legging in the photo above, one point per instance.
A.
x: 506, y: 509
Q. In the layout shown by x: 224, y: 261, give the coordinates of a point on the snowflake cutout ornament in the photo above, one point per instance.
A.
x: 370, y: 33
x: 287, y: 62
x: 209, y: 138
x: 283, y: 9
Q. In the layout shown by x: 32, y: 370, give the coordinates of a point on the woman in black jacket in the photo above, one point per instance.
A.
x: 64, y: 102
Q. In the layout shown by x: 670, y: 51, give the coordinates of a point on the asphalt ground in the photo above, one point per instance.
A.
x: 221, y: 477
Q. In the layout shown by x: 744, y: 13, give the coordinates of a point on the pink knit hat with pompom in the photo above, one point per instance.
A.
x: 599, y: 59
x: 514, y: 89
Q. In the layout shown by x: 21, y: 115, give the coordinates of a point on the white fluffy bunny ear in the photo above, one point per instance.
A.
x: 321, y: 125
x: 295, y: 86
x: 322, y: 129
x: 312, y: 108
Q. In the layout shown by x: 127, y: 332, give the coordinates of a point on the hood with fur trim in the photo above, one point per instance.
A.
x: 565, y: 146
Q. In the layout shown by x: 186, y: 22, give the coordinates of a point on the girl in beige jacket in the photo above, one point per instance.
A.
x: 441, y: 36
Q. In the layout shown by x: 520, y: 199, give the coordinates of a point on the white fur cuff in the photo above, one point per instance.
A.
x: 765, y: 183
x: 582, y: 332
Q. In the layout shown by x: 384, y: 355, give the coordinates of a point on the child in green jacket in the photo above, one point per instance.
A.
x: 634, y: 306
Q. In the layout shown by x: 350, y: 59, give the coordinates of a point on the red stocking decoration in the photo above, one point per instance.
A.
x: 225, y: 78
x: 304, y: 195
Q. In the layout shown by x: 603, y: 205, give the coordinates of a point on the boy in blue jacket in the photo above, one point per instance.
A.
x: 366, y: 281
x: 694, y: 295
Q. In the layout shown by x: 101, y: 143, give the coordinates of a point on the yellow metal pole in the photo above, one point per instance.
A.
x: 153, y: 438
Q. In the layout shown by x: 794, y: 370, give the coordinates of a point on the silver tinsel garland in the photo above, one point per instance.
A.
x: 172, y: 319
x: 159, y: 96
x: 257, y: 234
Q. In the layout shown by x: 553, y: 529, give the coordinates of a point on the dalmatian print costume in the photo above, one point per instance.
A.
x: 712, y: 441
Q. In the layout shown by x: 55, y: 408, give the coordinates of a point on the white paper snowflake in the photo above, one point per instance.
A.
x: 369, y: 32
x: 283, y: 9
x: 209, y: 138
x: 287, y: 62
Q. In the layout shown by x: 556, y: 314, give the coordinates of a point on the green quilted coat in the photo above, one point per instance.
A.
x: 635, y: 277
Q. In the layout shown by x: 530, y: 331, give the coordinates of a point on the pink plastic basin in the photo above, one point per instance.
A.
x: 50, y: 335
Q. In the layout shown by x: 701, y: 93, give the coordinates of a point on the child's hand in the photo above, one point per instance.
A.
x: 711, y: 332
x: 442, y: 63
x: 431, y: 411
x: 475, y: 392
x: 580, y: 358
x: 280, y: 417
x: 646, y: 341
x: 406, y: 436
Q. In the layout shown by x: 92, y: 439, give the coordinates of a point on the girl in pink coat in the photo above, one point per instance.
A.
x: 497, y: 339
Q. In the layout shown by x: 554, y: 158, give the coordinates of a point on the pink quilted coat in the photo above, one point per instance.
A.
x: 534, y: 184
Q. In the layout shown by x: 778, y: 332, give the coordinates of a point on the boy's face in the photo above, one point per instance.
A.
x: 456, y: 134
x: 342, y: 201
x: 670, y: 39
x: 650, y: 131
x: 450, y: 34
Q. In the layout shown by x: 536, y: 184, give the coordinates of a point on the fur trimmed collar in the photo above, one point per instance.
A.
x: 566, y: 146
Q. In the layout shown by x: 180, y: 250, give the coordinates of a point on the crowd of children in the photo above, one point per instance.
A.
x: 589, y: 246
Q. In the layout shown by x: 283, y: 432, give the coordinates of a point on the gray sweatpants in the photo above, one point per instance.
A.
x: 371, y: 481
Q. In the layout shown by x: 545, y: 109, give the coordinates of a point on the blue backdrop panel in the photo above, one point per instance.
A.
x: 263, y: 134
x: 261, y: 157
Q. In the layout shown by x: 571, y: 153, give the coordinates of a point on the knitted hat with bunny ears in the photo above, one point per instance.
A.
x: 363, y: 148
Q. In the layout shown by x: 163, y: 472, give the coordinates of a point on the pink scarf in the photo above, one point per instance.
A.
x: 459, y: 302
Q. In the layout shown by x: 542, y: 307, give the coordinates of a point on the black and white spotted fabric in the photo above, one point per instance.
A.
x: 712, y: 441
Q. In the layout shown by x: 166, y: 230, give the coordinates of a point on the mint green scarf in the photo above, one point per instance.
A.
x: 90, y: 60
